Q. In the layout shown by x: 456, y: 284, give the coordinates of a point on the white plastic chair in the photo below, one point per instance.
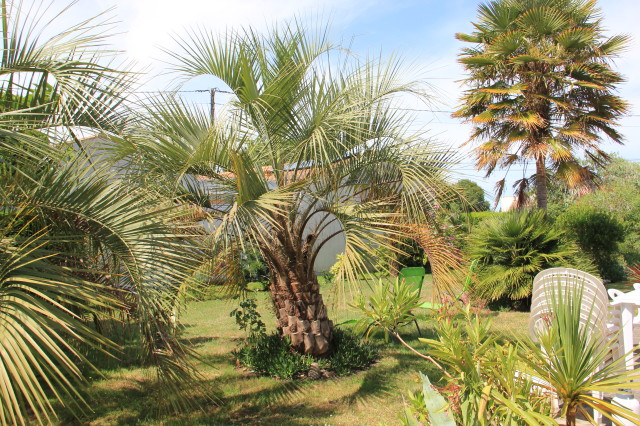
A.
x: 594, y: 311
x: 594, y: 308
x: 623, y: 319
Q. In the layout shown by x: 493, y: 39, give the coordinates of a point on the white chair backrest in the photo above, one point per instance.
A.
x: 550, y: 283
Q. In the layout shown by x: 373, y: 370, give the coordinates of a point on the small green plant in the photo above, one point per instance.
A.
x: 387, y: 309
x: 327, y: 277
x: 484, y: 385
x: 248, y: 318
x: 427, y: 407
x: 271, y: 355
x: 350, y: 353
x: 335, y: 268
x: 254, y: 268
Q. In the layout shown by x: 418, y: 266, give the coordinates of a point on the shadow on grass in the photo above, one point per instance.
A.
x: 227, y: 395
x: 133, y: 400
x: 195, y: 342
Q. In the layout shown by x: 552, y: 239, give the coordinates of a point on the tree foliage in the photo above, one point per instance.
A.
x: 598, y: 234
x: 617, y: 195
x: 471, y: 197
x: 542, y: 89
x: 512, y: 248
x: 77, y: 248
x: 308, y: 153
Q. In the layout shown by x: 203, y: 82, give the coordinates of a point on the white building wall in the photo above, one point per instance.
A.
x: 97, y: 149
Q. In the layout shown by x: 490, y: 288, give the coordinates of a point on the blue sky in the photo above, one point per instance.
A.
x: 421, y: 32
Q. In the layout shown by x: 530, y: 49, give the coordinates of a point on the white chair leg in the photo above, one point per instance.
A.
x: 597, y: 416
x: 555, y: 406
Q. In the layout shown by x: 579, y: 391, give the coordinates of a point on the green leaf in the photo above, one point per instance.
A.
x: 478, y: 61
x: 436, y: 405
x: 468, y: 38
x: 523, y: 59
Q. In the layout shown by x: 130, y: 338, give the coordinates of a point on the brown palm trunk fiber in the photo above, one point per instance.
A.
x: 302, y: 315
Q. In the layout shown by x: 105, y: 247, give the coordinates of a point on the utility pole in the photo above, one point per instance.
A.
x: 212, y: 92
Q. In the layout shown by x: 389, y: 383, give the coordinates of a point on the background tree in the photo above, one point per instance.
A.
x: 511, y: 249
x: 597, y: 234
x: 309, y: 152
x: 619, y: 195
x: 470, y: 197
x: 616, y: 197
x: 542, y: 89
x: 473, y: 194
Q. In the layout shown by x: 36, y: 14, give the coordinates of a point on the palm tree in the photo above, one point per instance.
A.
x: 309, y: 152
x: 511, y: 249
x: 77, y: 248
x: 542, y: 89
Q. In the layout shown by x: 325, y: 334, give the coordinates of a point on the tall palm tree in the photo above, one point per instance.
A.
x: 77, y: 248
x: 542, y: 89
x: 310, y: 151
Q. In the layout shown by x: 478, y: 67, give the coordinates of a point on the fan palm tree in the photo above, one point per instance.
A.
x: 310, y: 152
x: 77, y: 247
x: 542, y: 89
x: 512, y: 248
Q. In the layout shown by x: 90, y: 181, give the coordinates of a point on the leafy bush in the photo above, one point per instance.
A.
x: 326, y: 277
x: 512, y: 248
x: 271, y: 355
x: 248, y: 318
x: 387, y: 308
x: 483, y: 383
x: 350, y: 353
x: 598, y: 233
x: 254, y: 269
x: 619, y: 196
x: 476, y: 217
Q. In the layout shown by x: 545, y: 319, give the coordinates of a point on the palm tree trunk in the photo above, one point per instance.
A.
x: 541, y: 183
x: 302, y: 314
x: 570, y: 419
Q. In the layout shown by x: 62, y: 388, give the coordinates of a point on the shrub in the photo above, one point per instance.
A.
x: 254, y: 269
x: 492, y: 383
x: 476, y: 217
x: 388, y: 308
x: 271, y: 355
x: 512, y: 248
x: 598, y: 233
x: 350, y: 353
x: 483, y: 383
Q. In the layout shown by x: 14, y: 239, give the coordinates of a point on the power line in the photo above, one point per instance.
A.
x: 186, y: 91
x: 215, y: 90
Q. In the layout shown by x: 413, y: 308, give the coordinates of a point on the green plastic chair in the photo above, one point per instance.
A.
x: 414, y: 276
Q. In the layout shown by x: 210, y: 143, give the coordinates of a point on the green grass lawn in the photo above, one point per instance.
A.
x: 375, y: 396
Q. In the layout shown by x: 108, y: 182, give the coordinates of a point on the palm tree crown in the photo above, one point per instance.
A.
x: 542, y: 89
x: 310, y: 152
